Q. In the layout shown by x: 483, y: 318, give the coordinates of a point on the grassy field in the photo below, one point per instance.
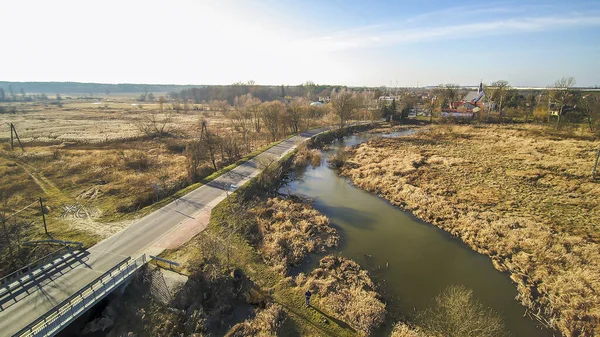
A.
x: 96, y: 170
x: 92, y: 121
x: 521, y: 194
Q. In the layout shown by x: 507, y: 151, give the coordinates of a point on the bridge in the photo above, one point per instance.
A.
x: 43, y: 300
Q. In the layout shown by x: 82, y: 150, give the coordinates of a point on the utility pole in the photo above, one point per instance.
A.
x: 13, y: 130
x: 43, y: 216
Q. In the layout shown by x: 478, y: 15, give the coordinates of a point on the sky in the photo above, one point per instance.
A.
x: 345, y: 42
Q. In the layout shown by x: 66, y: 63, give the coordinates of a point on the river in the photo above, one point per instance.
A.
x: 412, y: 260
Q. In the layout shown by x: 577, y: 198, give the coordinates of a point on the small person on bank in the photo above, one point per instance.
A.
x: 307, y: 294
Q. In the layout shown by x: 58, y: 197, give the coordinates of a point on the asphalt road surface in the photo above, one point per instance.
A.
x: 22, y: 307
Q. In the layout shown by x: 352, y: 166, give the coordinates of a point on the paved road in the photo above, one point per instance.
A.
x: 153, y: 233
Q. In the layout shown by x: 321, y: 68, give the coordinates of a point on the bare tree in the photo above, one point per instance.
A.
x: 589, y: 106
x: 241, y: 121
x: 431, y: 105
x: 210, y: 141
x: 531, y: 102
x: 344, y: 104
x: 155, y: 123
x: 195, y: 155
x: 294, y: 112
x: 272, y: 117
x: 455, y: 313
x: 561, y: 94
x: 451, y: 92
x: 499, y: 93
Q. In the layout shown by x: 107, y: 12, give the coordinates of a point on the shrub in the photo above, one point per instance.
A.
x: 338, y: 159
x: 455, y: 313
x: 347, y: 290
x: 403, y: 330
x: 290, y: 230
x: 268, y: 322
x: 136, y: 160
x: 304, y: 156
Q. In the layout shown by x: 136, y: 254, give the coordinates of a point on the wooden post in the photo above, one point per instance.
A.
x: 596, y: 165
x: 12, y: 142
x: 18, y: 139
x: 43, y: 216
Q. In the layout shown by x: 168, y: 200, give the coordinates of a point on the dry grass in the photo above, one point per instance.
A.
x: 403, y: 330
x: 211, y: 248
x: 344, y: 288
x: 267, y: 322
x: 305, y: 156
x: 517, y: 194
x: 85, y: 122
x: 95, y: 157
x: 290, y: 230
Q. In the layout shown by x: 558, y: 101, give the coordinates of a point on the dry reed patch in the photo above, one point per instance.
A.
x: 267, y: 322
x: 526, y: 201
x: 290, y: 230
x: 305, y: 156
x: 403, y: 330
x: 340, y: 285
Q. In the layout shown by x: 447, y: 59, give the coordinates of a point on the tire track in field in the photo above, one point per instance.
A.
x: 44, y: 183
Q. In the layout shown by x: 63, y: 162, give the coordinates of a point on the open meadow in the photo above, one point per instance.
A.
x: 97, y: 162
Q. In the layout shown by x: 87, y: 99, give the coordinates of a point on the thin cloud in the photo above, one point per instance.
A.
x: 383, y: 38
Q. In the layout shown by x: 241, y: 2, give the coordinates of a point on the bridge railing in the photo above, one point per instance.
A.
x: 54, y: 320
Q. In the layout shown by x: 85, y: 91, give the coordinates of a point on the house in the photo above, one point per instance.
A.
x: 387, y: 99
x: 468, y: 106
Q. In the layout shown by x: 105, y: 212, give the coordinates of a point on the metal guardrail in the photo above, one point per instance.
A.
x: 35, y: 264
x: 61, y: 315
x: 66, y: 246
x: 157, y: 259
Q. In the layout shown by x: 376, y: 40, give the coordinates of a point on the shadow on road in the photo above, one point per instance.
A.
x: 36, y: 279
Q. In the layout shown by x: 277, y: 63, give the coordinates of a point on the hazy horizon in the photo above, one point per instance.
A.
x: 528, y: 43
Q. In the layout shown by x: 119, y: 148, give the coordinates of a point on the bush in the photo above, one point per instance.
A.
x: 304, y: 156
x: 403, y: 330
x: 455, y: 313
x: 338, y: 159
x: 136, y: 160
x: 290, y: 230
x: 347, y: 290
x: 176, y: 146
x: 268, y: 322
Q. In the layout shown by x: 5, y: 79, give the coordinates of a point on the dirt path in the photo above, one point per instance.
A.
x: 44, y: 183
x: 77, y: 216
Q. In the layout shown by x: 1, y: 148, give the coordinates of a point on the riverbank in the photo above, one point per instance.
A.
x: 520, y: 196
x: 244, y: 255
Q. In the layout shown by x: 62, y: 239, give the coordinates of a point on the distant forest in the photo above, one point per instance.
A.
x: 88, y: 88
x: 27, y: 91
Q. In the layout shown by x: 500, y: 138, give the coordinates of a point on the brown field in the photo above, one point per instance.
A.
x: 86, y: 121
x: 519, y: 194
x: 96, y: 169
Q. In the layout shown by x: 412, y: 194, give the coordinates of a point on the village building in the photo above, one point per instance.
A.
x: 468, y: 106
